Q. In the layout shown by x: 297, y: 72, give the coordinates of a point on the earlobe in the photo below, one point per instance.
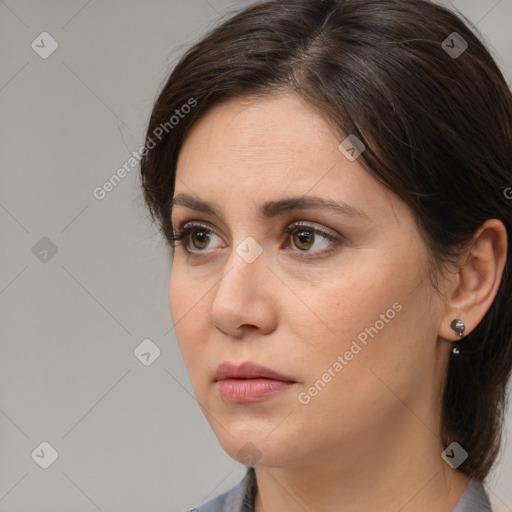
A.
x: 477, y: 282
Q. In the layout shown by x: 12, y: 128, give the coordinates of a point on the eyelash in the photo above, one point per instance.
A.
x: 184, y: 230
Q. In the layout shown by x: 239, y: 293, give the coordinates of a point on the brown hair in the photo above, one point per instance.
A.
x: 437, y: 129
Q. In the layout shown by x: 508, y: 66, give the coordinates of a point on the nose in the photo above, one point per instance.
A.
x: 244, y: 298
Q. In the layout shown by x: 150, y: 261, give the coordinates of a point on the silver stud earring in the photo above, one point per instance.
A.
x: 459, y: 327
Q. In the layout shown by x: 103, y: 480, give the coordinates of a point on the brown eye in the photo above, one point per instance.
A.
x: 196, y: 240
x: 197, y: 234
x: 303, y: 238
x: 202, y: 237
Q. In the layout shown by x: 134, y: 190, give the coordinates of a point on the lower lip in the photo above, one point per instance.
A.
x: 250, y: 390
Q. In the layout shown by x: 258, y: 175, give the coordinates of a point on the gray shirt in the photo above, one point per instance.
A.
x: 240, y: 498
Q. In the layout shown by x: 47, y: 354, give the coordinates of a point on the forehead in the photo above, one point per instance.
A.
x: 280, y: 126
x: 272, y: 147
x: 270, y: 135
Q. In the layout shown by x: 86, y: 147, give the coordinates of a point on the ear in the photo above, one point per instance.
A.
x: 477, y: 281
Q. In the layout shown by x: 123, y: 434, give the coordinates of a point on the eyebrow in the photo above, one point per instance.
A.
x: 271, y: 209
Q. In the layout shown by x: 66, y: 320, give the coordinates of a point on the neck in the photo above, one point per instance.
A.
x: 399, y: 472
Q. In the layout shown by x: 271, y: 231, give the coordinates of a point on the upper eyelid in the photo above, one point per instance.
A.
x: 186, y: 224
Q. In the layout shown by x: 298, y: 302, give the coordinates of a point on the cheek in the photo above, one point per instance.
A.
x: 358, y: 304
x: 188, y: 311
x: 187, y: 299
x: 375, y: 323
x: 362, y: 385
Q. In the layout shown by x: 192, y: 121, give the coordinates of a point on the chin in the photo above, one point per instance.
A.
x: 255, y: 447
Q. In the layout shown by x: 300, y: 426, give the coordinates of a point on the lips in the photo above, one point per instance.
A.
x: 249, y: 382
x: 248, y: 370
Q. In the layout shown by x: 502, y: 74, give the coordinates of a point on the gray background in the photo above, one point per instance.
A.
x: 129, y: 437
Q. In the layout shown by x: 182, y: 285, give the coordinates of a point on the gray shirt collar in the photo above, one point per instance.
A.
x: 240, y: 498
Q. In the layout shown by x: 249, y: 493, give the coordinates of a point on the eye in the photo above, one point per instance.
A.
x: 303, y: 237
x: 190, y: 232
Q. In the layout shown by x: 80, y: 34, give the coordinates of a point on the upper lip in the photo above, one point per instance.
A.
x: 247, y: 370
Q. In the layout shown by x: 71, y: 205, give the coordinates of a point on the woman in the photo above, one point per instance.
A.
x: 334, y: 180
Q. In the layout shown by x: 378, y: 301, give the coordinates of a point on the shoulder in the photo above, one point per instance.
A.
x: 239, y: 498
x: 474, y: 499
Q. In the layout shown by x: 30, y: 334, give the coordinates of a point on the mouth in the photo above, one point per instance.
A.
x: 249, y: 382
x: 240, y: 391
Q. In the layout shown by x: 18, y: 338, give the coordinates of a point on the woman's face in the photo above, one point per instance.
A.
x: 349, y: 315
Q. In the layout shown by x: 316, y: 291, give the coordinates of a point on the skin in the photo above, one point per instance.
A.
x: 370, y: 439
